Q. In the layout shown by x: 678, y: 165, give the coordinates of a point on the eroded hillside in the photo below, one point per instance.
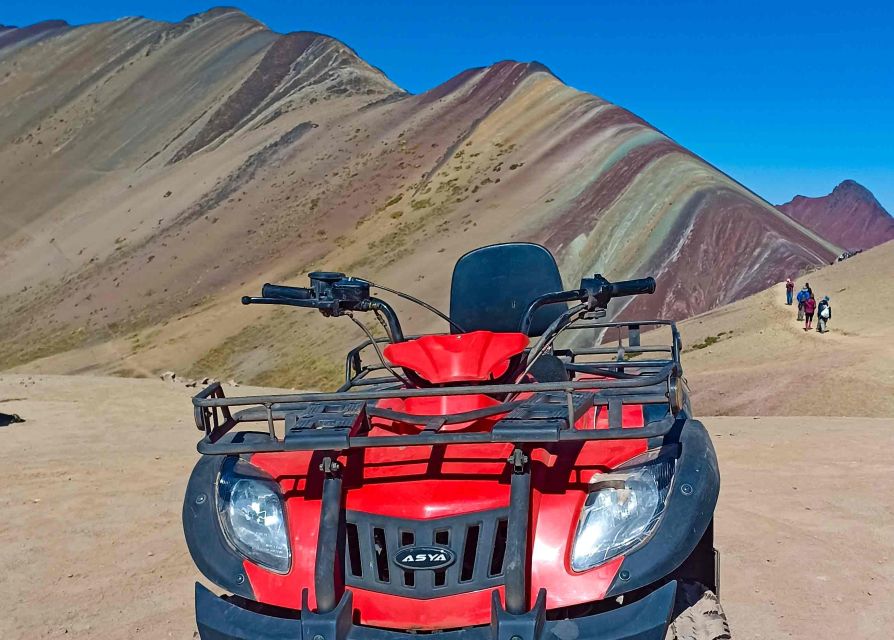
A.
x: 152, y: 172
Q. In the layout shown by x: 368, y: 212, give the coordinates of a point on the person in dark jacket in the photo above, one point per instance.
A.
x: 789, y: 291
x: 809, y: 310
x: 823, y: 314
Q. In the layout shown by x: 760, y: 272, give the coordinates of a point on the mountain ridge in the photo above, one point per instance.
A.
x: 11, y: 35
x: 152, y: 172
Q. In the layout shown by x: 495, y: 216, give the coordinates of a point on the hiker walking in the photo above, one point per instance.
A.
x: 803, y: 295
x: 823, y: 314
x: 789, y: 291
x: 809, y: 309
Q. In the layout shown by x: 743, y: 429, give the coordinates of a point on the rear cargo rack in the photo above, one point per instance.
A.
x: 531, y: 412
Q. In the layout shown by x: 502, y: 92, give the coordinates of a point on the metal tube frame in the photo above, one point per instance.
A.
x: 640, y: 382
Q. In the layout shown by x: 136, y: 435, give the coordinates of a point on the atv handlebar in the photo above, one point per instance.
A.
x: 632, y: 287
x: 599, y: 290
x: 594, y: 292
x: 282, y: 291
x: 332, y: 294
x: 335, y: 294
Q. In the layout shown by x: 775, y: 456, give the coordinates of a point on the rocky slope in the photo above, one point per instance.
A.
x: 850, y: 216
x: 152, y: 172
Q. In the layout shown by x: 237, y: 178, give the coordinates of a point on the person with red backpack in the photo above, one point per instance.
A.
x: 803, y: 294
x: 809, y: 310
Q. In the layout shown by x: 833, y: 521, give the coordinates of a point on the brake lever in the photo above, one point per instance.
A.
x: 597, y: 292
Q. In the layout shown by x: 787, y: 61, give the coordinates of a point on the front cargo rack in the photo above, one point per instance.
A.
x: 530, y: 412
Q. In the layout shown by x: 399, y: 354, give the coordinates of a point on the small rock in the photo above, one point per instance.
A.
x: 169, y: 376
x: 233, y: 383
x: 192, y: 383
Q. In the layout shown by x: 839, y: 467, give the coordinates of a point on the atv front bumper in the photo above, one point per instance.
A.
x: 645, y: 619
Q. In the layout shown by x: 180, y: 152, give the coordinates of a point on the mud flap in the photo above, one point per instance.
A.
x: 522, y: 626
x: 331, y: 625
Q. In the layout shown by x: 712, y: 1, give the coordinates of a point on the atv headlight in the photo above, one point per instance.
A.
x: 620, y: 512
x: 251, y: 514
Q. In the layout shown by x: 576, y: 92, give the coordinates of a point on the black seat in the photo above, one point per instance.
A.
x: 493, y: 286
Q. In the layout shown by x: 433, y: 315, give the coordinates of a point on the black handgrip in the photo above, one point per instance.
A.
x: 632, y: 287
x: 282, y: 291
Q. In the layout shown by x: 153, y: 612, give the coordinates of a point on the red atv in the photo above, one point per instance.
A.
x: 467, y: 486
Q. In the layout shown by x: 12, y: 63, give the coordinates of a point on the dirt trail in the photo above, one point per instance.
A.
x: 91, y: 544
x: 754, y: 358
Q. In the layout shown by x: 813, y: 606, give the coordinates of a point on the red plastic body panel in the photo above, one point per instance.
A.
x: 416, y: 483
x: 466, y: 357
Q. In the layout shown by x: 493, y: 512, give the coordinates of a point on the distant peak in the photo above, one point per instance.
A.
x: 11, y: 35
x: 504, y: 75
x: 37, y: 26
x: 52, y: 24
x: 853, y: 187
x: 310, y: 36
x: 844, y: 190
x: 214, y: 12
x: 534, y: 66
x: 529, y: 67
x: 850, y: 216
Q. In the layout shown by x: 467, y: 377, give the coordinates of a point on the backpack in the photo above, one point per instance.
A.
x: 803, y: 295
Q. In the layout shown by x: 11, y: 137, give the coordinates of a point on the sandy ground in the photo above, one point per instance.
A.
x: 91, y: 543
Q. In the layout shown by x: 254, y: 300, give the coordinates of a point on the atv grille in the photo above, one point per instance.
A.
x: 477, y: 542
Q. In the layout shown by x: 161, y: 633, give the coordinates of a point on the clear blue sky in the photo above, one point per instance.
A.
x: 787, y: 97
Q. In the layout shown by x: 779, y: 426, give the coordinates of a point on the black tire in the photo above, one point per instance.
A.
x: 697, y: 615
